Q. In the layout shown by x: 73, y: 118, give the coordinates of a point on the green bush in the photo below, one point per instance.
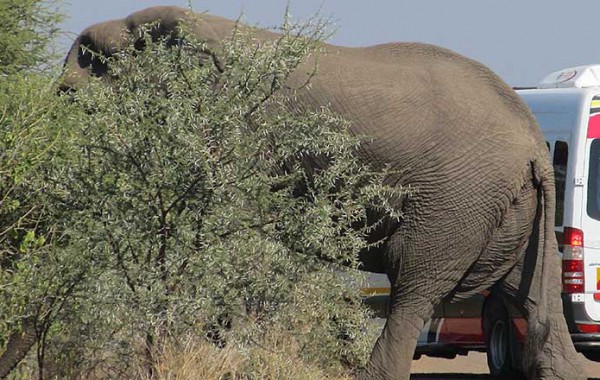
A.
x: 38, y: 271
x: 37, y: 274
x: 188, y: 199
x: 28, y: 29
x: 207, y: 206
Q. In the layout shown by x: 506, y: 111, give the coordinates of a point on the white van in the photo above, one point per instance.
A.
x: 566, y: 105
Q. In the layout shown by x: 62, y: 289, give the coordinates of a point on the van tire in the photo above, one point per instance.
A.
x: 499, y: 341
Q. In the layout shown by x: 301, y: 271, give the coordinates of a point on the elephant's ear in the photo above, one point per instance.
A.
x: 88, y: 52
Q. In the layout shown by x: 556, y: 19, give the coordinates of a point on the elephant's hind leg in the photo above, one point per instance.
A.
x: 548, y: 352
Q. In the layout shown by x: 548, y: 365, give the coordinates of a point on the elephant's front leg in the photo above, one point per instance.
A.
x: 393, y: 353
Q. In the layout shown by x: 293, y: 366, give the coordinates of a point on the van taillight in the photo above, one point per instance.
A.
x: 588, y: 328
x: 572, y: 261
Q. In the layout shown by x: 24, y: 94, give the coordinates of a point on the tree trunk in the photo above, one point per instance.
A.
x: 19, y: 344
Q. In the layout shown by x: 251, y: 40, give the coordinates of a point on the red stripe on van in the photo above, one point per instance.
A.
x: 457, y: 331
x: 594, y: 127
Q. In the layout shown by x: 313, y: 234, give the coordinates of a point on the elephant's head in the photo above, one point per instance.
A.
x: 85, y: 58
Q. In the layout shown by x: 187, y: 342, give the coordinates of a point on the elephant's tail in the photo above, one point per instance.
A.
x: 543, y: 256
x: 547, y: 248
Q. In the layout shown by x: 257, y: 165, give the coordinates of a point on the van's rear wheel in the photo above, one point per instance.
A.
x: 498, y: 350
x: 498, y: 339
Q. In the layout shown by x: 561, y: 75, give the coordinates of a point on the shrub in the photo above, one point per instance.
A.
x: 28, y: 29
x: 198, y: 206
x: 38, y: 271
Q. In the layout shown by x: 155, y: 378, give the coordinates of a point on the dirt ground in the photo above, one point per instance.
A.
x: 470, y: 367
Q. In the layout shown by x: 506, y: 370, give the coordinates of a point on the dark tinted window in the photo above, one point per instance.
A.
x: 561, y: 155
x: 593, y: 193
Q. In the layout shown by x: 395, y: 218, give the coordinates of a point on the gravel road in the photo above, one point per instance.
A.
x: 470, y: 367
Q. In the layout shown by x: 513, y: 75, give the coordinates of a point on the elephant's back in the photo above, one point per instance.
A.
x: 418, y: 101
x: 457, y: 133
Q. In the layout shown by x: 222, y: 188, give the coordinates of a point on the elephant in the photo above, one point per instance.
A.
x: 482, y: 215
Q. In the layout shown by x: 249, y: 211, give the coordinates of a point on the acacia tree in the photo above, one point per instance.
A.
x: 28, y: 29
x: 178, y: 198
x: 212, y: 208
x: 38, y: 275
x: 35, y: 278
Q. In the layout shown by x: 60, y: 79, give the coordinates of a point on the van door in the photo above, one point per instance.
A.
x: 591, y: 229
x: 590, y: 213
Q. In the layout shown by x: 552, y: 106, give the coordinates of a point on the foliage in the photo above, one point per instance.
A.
x: 183, y: 199
x: 27, y: 30
x: 38, y: 274
x: 38, y: 271
x: 210, y: 205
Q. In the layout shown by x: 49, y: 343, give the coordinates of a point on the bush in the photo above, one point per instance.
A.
x: 38, y: 271
x: 194, y: 205
x: 28, y: 29
x: 37, y: 274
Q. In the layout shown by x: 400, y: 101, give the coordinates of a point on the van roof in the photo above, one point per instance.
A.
x: 573, y: 77
x: 557, y: 110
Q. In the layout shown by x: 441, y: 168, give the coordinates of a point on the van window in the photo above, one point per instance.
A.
x: 593, y: 194
x: 560, y: 158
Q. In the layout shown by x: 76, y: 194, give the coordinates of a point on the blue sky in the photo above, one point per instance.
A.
x: 521, y: 40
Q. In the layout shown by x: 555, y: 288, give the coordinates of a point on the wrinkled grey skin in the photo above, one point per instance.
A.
x: 483, y: 215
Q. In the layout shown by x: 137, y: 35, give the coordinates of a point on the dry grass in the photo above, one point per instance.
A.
x: 275, y: 357
x: 196, y: 361
x: 201, y: 360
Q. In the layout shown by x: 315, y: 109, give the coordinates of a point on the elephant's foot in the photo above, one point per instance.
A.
x: 559, y: 364
x: 557, y: 359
